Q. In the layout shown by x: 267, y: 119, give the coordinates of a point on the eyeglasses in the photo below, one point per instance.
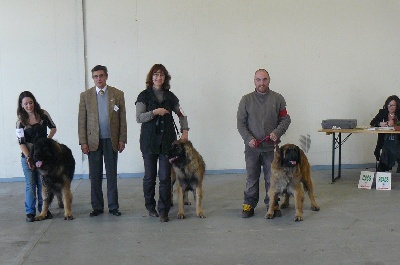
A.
x: 392, y: 105
x: 158, y: 74
x: 99, y: 76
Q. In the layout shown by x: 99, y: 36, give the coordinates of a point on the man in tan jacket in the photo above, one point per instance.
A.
x: 102, y: 133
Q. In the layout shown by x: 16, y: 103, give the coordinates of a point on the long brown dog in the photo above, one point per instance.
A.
x: 189, y: 168
x: 291, y: 174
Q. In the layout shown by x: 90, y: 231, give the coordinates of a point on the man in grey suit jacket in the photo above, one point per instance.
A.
x: 102, y: 133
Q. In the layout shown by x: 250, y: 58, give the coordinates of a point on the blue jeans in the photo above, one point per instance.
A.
x: 33, y: 188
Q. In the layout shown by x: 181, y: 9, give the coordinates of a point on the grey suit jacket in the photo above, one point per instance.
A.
x: 88, y: 119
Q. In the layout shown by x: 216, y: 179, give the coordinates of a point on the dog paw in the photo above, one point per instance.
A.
x: 315, y: 208
x: 269, y: 215
x: 181, y: 216
x: 40, y: 217
x: 187, y: 203
x: 298, y: 219
x: 69, y: 217
x: 200, y: 215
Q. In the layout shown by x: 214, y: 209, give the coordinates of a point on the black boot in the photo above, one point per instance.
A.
x: 382, y: 167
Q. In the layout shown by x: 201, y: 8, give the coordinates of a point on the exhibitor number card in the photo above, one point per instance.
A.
x: 383, y: 181
x: 366, y: 180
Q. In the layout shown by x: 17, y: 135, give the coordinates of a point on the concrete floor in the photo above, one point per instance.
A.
x: 353, y: 227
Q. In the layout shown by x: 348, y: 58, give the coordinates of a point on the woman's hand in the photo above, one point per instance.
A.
x: 30, y: 163
x: 185, y: 135
x: 383, y: 124
x: 160, y: 111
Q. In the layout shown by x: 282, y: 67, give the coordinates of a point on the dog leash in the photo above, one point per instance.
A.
x: 265, y: 139
x: 176, y: 128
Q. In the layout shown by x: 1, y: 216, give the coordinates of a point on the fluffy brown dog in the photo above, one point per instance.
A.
x: 56, y: 166
x: 290, y: 173
x: 189, y: 168
x: 186, y: 200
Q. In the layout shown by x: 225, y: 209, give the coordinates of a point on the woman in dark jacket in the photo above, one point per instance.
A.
x: 388, y: 143
x: 154, y: 107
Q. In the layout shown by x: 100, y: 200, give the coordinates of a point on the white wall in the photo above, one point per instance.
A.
x: 330, y: 59
x: 41, y: 50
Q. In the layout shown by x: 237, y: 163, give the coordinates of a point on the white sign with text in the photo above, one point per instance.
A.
x: 366, y: 180
x: 383, y: 181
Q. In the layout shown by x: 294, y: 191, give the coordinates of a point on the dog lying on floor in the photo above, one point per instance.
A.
x: 189, y: 167
x: 291, y: 173
x: 56, y: 166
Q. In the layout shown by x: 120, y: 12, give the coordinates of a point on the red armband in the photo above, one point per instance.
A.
x: 283, y: 113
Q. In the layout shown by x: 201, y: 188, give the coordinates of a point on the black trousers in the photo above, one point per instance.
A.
x: 96, y: 175
x: 149, y: 182
x: 390, y: 153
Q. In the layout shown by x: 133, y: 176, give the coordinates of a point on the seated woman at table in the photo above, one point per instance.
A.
x: 387, y: 142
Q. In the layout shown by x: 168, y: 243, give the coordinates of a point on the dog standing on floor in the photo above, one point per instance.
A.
x: 291, y: 175
x: 186, y: 200
x: 189, y: 167
x: 56, y: 166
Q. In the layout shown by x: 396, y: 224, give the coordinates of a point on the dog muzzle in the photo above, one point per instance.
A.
x: 289, y: 163
x: 171, y: 160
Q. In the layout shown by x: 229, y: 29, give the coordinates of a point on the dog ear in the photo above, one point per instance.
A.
x: 298, y: 154
x: 56, y: 146
x: 281, y: 152
x: 188, y: 149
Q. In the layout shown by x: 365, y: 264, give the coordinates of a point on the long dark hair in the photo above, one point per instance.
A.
x: 395, y: 98
x: 154, y: 69
x: 22, y: 115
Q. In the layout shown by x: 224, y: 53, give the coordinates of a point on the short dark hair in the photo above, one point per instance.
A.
x: 261, y: 69
x: 154, y: 69
x: 99, y: 68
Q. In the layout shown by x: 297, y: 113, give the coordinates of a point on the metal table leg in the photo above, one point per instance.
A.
x: 340, y: 156
x: 339, y: 143
x: 333, y: 157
